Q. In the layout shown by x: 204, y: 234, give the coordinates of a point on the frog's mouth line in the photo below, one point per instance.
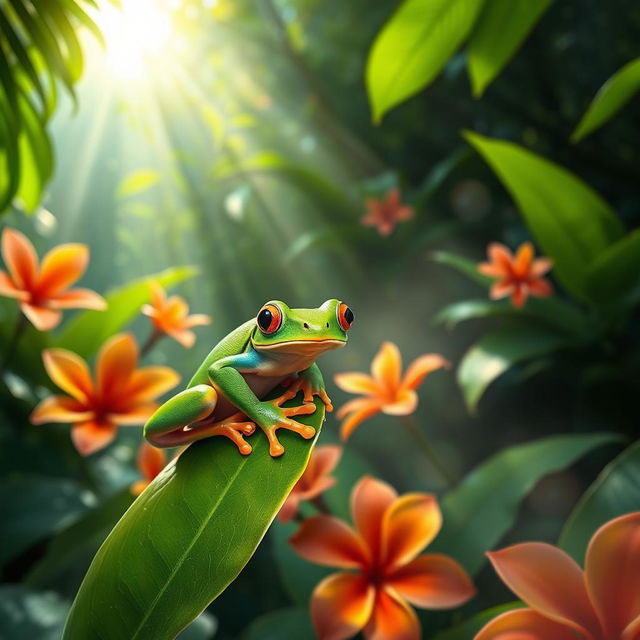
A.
x: 327, y: 343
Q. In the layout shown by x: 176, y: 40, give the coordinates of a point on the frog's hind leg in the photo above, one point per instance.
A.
x: 185, y: 418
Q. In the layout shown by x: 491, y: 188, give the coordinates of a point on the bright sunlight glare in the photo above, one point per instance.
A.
x: 136, y: 35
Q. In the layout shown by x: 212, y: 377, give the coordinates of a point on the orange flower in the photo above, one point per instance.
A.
x: 386, y: 390
x: 383, y: 548
x: 315, y: 480
x: 151, y: 462
x: 171, y: 316
x: 121, y: 395
x: 519, y: 276
x: 386, y: 213
x: 42, y: 290
x: 565, y: 603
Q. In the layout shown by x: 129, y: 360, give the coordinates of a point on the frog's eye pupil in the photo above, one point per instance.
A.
x: 345, y: 316
x: 269, y: 319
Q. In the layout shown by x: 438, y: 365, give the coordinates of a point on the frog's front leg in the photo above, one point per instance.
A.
x: 185, y: 418
x: 311, y: 383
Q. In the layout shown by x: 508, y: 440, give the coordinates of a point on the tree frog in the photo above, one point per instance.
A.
x: 225, y: 396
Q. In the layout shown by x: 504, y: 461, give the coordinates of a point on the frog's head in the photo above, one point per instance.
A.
x: 308, y: 332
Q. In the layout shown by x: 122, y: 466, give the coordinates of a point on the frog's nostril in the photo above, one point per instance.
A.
x: 305, y: 325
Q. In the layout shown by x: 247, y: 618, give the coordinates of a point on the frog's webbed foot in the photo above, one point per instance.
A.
x: 235, y: 427
x: 283, y: 421
x: 308, y: 388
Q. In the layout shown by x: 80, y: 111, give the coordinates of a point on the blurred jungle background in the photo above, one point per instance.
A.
x: 240, y: 152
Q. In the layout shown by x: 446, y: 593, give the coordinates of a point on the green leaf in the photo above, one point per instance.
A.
x: 616, y: 92
x: 470, y: 628
x: 186, y: 538
x: 284, y: 623
x: 484, y: 506
x: 571, y: 222
x: 498, y: 351
x: 87, y: 331
x: 413, y: 47
x: 615, y: 492
x: 502, y: 27
x: 137, y: 182
x: 463, y: 265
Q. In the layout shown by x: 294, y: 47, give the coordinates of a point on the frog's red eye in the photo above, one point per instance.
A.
x: 345, y: 316
x: 269, y: 319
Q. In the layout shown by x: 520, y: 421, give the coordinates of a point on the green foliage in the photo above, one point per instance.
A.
x: 209, y: 508
x: 485, y: 505
x: 137, y: 182
x: 615, y: 492
x: 468, y: 628
x: 616, y: 92
x: 284, y: 623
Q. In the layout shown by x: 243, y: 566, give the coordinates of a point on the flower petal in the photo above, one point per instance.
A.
x: 116, y: 362
x: 524, y: 624
x: 92, y: 436
x: 135, y: 416
x: 42, y: 318
x: 408, y: 526
x: 404, y: 403
x: 421, y: 367
x: 392, y: 619
x: 541, y: 266
x: 549, y: 581
x: 184, y: 337
x: 501, y: 256
x: 386, y: 366
x: 491, y: 270
x: 329, y: 541
x: 325, y: 459
x: 60, y: 409
x: 150, y: 382
x: 355, y: 382
x: 501, y: 289
x: 61, y: 267
x: 612, y: 573
x: 69, y: 372
x: 362, y: 408
x: 540, y: 287
x: 150, y: 460
x: 520, y: 295
x: 10, y: 290
x: 341, y: 605
x: 290, y: 507
x: 523, y: 260
x: 20, y: 258
x: 197, y: 320
x: 158, y: 295
x: 370, y: 499
x: 433, y: 581
x: 78, y: 299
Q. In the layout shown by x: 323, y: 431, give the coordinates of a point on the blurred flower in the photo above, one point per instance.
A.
x: 121, y: 395
x: 383, y: 548
x: 170, y: 316
x: 519, y: 276
x: 315, y: 480
x: 386, y: 213
x: 43, y: 289
x: 151, y: 462
x: 565, y: 603
x: 385, y: 390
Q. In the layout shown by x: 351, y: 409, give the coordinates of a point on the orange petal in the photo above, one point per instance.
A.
x: 20, y: 258
x: 290, y: 507
x: 9, y: 289
x: 541, y: 288
x: 329, y: 541
x: 61, y: 267
x: 151, y: 461
x: 632, y: 632
x: 185, y: 337
x: 363, y: 408
x: 421, y: 367
x: 319, y: 486
x: 370, y: 499
x: 197, y: 320
x: 116, y: 362
x: 491, y: 270
x: 150, y: 382
x: 69, y: 372
x: 325, y: 459
x: 134, y: 416
x: 42, y: 318
x: 612, y: 572
x: 158, y: 295
x: 341, y: 605
x: 357, y: 383
x: 404, y: 403
x: 549, y: 581
x: 138, y: 487
x: 541, y: 266
x: 500, y: 256
x: 408, y: 526
x: 433, y: 581
x: 524, y: 624
x: 501, y: 289
x: 59, y: 409
x: 523, y: 260
x: 91, y: 436
x: 386, y: 367
x: 520, y: 295
x: 78, y: 299
x: 392, y: 619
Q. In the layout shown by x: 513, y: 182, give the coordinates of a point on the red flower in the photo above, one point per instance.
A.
x: 519, y: 276
x: 390, y: 532
x: 151, y: 462
x: 121, y: 395
x: 565, y: 603
x: 386, y: 213
x: 315, y: 480
x: 43, y: 290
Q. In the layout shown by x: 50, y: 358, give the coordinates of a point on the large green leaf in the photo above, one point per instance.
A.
x: 88, y: 330
x: 294, y: 623
x: 414, y: 46
x: 569, y: 220
x: 613, y: 95
x: 463, y: 265
x: 484, y: 506
x: 615, y: 492
x: 502, y: 27
x: 496, y: 352
x: 186, y: 538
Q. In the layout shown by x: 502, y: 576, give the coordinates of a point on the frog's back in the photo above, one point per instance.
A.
x: 233, y: 343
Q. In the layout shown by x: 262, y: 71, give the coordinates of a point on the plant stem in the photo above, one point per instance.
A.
x: 151, y: 342
x: 319, y: 503
x: 21, y: 325
x: 411, y: 426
